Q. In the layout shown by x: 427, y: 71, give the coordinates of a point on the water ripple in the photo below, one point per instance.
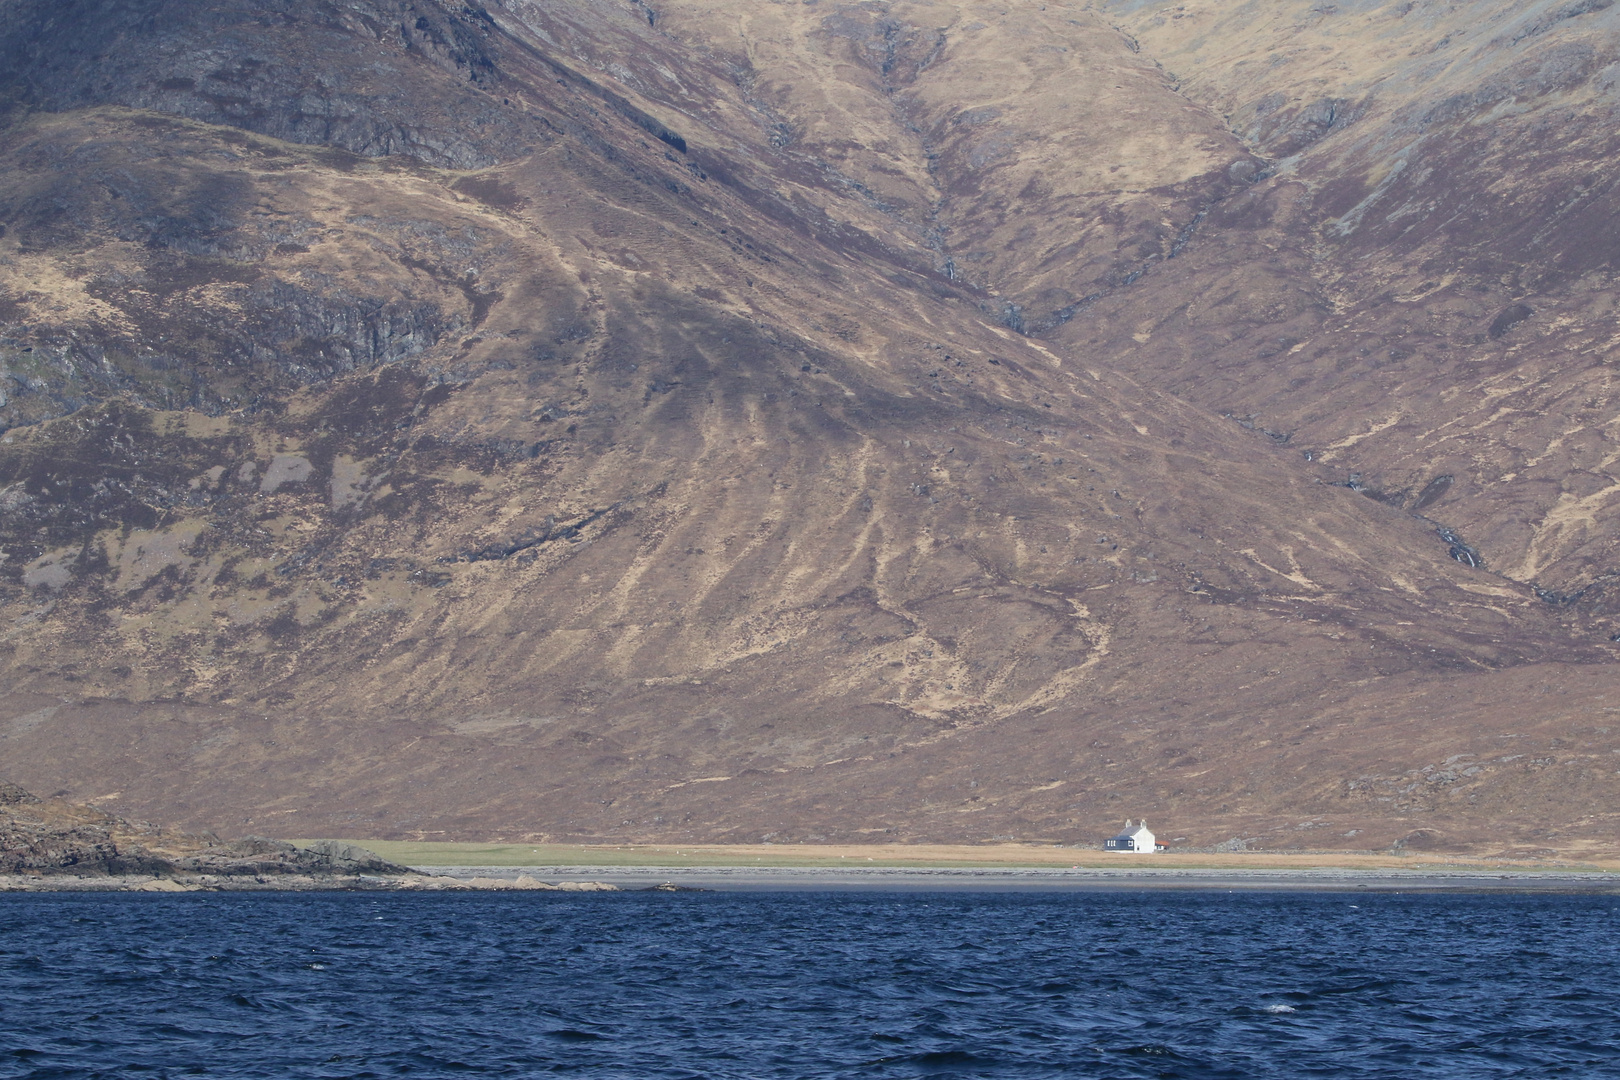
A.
x: 1165, y: 985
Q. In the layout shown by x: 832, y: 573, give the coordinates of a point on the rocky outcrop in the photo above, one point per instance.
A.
x: 376, y: 79
x: 193, y: 275
x: 12, y: 795
x: 337, y: 857
x: 54, y: 837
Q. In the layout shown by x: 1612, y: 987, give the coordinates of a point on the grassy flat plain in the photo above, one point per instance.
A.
x: 415, y: 853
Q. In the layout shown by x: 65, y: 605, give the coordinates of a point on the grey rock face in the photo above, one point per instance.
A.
x: 261, y: 856
x: 353, y: 859
x: 46, y: 848
x: 375, y: 79
x: 12, y: 795
x: 213, y: 306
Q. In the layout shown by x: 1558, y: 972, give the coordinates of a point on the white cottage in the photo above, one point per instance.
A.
x: 1134, y: 840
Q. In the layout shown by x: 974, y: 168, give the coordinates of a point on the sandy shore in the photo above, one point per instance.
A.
x: 1054, y: 879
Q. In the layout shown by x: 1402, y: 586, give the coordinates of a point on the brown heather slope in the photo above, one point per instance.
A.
x: 794, y: 421
x: 1422, y: 291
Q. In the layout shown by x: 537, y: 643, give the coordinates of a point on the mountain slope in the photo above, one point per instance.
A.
x: 720, y: 425
x: 1427, y: 295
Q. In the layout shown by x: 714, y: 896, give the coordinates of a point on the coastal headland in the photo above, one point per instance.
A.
x: 52, y: 845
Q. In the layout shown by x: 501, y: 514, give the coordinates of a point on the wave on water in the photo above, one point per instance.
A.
x: 766, y: 986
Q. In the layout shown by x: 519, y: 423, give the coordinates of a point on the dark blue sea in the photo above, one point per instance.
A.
x: 646, y: 985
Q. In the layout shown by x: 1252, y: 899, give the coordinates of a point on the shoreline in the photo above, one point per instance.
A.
x: 1056, y: 879
x: 213, y: 883
x: 810, y: 879
x: 1001, y: 856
